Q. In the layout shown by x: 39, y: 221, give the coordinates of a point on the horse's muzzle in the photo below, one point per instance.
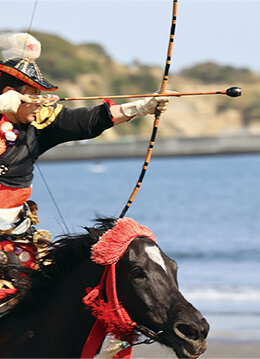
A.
x: 190, y: 338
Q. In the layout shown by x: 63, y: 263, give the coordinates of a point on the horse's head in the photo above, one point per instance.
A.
x: 146, y: 282
x: 148, y: 289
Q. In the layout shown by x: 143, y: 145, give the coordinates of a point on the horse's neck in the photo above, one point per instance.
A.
x: 65, y: 307
x: 58, y: 322
x: 85, y: 274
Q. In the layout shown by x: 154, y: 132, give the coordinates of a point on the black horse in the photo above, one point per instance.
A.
x: 51, y: 320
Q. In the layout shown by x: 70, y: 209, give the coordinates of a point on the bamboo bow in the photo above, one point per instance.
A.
x: 157, y: 113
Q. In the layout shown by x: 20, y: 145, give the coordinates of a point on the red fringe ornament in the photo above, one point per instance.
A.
x: 106, y: 314
x: 113, y: 244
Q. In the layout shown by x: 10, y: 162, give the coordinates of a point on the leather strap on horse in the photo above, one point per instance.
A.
x: 111, y: 316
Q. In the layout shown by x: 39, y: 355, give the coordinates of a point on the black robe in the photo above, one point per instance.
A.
x: 54, y: 125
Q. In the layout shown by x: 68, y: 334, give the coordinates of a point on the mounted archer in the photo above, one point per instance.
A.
x: 29, y: 128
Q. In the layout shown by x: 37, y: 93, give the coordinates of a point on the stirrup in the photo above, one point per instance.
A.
x: 5, y: 307
x: 4, y: 284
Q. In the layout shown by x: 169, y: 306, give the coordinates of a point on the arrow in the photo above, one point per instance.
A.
x: 231, y: 92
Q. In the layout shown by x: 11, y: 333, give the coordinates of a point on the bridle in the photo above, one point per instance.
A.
x: 103, y: 301
x: 153, y: 337
x: 94, y: 300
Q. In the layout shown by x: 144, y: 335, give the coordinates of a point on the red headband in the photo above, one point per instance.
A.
x: 113, y: 244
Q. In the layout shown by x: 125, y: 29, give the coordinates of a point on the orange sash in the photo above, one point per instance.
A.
x: 13, y: 197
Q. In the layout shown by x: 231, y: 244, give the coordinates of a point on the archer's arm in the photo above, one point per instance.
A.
x: 132, y: 110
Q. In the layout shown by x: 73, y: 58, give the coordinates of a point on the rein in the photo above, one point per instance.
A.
x: 153, y: 337
x: 111, y: 316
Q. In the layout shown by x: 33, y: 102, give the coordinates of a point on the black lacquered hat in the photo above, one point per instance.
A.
x: 19, y: 52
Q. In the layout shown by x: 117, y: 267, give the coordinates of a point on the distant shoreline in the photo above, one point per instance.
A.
x: 216, y: 349
x: 197, y: 146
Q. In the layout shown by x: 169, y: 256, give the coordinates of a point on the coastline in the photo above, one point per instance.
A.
x: 242, y: 143
x: 216, y: 349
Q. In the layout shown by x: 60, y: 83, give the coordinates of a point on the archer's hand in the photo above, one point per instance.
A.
x: 11, y: 100
x: 146, y: 106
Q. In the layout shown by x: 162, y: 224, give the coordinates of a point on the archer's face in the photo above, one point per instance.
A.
x: 34, y: 210
x: 27, y: 111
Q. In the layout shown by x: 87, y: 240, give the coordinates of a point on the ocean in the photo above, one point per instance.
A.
x: 204, y: 212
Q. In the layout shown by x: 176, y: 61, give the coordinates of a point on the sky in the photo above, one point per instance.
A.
x: 224, y: 31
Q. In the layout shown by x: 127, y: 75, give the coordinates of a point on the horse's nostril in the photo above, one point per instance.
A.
x: 188, y: 331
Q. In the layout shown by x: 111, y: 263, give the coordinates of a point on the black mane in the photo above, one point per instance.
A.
x: 59, y: 258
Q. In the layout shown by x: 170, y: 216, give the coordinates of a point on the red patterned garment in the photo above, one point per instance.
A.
x: 25, y: 252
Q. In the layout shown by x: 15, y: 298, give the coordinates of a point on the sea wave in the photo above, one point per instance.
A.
x: 251, y: 254
x: 225, y: 294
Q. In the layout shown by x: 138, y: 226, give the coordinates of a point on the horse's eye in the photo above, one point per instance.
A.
x: 137, y: 272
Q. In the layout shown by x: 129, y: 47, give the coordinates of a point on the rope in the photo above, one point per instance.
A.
x: 52, y: 197
x: 38, y: 166
x: 157, y: 113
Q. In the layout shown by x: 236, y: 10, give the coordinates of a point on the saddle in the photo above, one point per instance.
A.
x: 17, y: 258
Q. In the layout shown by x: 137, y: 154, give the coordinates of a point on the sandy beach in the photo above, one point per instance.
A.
x: 216, y: 349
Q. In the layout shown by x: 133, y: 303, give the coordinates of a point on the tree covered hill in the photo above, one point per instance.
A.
x: 87, y: 70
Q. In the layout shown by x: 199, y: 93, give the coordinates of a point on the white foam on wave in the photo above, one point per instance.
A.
x: 237, y: 294
x: 97, y: 168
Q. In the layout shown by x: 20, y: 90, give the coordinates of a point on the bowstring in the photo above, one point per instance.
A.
x: 37, y: 165
x: 32, y: 16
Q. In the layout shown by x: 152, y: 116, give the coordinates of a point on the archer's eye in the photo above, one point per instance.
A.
x: 137, y: 272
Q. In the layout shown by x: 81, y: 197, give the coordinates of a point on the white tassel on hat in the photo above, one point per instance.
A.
x: 19, y: 51
x: 19, y: 45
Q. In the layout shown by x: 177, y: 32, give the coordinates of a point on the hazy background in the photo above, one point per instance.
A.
x: 204, y: 211
x: 226, y: 32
